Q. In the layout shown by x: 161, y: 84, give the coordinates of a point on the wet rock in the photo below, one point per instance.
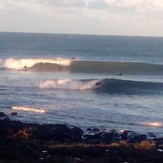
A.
x: 107, y: 137
x: 93, y: 129
x: 124, y: 135
x: 92, y: 139
x: 60, y: 133
x: 138, y: 138
x: 96, y: 130
x: 89, y: 129
x: 2, y: 114
x: 14, y: 113
x: 132, y: 136
x: 151, y: 135
x: 56, y: 143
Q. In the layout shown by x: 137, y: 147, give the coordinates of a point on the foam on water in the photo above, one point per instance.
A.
x: 27, y: 63
x: 24, y: 108
x: 68, y: 84
x: 153, y: 124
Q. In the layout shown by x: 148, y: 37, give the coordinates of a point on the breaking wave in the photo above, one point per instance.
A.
x: 106, y: 85
x: 28, y: 63
x: 77, y: 66
x: 69, y: 84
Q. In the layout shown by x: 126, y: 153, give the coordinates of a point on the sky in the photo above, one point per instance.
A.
x: 100, y: 17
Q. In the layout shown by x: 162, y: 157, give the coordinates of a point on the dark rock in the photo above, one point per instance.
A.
x: 21, y: 142
x: 130, y: 135
x: 14, y: 113
x: 92, y: 139
x: 150, y: 134
x: 95, y: 130
x: 89, y: 129
x: 124, y: 135
x: 138, y: 138
x: 108, y: 137
x: 60, y: 133
x: 76, y: 134
x: 2, y: 114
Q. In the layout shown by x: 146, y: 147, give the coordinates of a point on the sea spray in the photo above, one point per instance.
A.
x: 68, y: 84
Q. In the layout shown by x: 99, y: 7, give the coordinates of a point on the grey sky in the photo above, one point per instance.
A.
x: 108, y: 17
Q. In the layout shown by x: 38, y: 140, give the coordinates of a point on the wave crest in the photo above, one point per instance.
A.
x: 27, y: 63
x: 111, y: 86
x: 68, y: 84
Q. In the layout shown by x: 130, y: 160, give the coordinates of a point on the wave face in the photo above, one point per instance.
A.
x: 76, y: 66
x: 115, y: 67
x: 129, y: 87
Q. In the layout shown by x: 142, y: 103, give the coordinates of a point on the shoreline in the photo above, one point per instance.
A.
x: 27, y: 142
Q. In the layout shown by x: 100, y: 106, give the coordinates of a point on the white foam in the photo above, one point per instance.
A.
x: 29, y: 62
x: 153, y: 124
x: 24, y: 108
x: 68, y: 84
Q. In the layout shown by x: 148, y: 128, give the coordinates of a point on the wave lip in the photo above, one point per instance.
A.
x: 29, y: 62
x: 76, y: 66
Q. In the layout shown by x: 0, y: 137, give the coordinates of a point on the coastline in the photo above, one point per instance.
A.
x: 27, y: 142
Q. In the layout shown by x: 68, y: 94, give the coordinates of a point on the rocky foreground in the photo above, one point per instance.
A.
x: 22, y: 142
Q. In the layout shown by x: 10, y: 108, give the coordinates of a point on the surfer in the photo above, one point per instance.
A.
x: 99, y: 83
x: 118, y: 74
x: 74, y: 58
x: 25, y: 68
x: 60, y: 68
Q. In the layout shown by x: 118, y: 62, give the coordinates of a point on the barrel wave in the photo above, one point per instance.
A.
x: 78, y: 66
x: 110, y: 86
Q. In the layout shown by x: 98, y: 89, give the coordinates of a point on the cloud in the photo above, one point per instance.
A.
x: 66, y: 3
x: 82, y: 16
x: 98, y: 4
x: 135, y: 7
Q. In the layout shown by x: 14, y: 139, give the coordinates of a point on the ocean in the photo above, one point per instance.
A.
x: 90, y: 81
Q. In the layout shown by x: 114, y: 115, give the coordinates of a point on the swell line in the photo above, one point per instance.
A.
x: 76, y: 66
x: 115, y: 67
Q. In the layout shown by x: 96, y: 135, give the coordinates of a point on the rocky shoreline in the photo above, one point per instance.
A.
x: 24, y: 142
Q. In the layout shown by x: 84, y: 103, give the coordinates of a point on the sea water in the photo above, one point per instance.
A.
x: 108, y: 82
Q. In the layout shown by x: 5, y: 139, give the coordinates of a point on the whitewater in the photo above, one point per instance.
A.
x: 108, y: 82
